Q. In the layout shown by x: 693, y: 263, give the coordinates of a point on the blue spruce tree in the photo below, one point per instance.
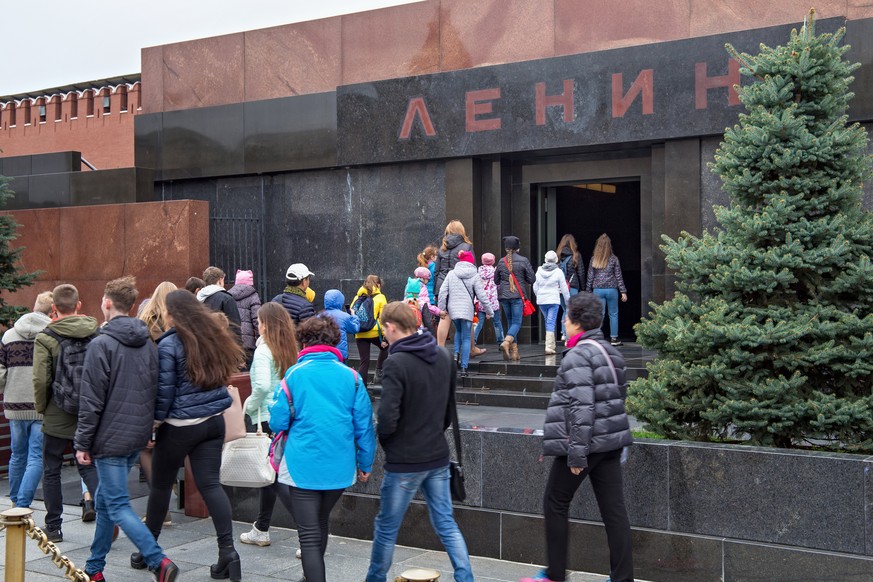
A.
x: 11, y: 276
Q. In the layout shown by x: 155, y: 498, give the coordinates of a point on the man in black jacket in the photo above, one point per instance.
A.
x: 418, y: 391
x: 294, y: 299
x: 216, y: 298
x: 116, y: 412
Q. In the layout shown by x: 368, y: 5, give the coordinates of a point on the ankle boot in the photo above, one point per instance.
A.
x: 550, y: 343
x: 476, y: 352
x: 514, y: 352
x: 506, y: 347
x: 228, y: 565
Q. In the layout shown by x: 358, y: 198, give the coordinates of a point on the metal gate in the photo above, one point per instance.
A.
x: 236, y: 241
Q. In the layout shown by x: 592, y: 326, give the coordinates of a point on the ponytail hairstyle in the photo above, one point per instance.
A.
x: 213, y: 353
x: 373, y: 284
x: 568, y: 241
x: 428, y: 254
x: 455, y: 227
x: 602, y: 252
x: 279, y: 335
x: 509, y: 265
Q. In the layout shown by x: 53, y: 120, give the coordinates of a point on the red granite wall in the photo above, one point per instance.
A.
x: 90, y: 245
x: 433, y: 36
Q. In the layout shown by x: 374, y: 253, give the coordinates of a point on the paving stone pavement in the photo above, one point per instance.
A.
x: 190, y: 542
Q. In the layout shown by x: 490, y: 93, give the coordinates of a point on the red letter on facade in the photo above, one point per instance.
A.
x: 564, y: 100
x: 644, y: 84
x: 702, y: 83
x: 417, y: 108
x: 478, y: 104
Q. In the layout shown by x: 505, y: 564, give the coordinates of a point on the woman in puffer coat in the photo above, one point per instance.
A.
x: 457, y: 294
x: 511, y: 303
x: 455, y: 240
x: 550, y: 288
x: 196, y: 357
x: 247, y: 303
x: 586, y: 429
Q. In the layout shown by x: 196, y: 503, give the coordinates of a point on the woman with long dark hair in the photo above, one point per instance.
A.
x: 276, y: 351
x: 604, y: 278
x: 331, y: 438
x: 197, y: 356
x: 573, y: 267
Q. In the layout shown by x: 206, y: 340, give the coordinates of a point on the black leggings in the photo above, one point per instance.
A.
x: 311, y: 510
x: 267, y: 496
x: 364, y: 354
x: 202, y: 444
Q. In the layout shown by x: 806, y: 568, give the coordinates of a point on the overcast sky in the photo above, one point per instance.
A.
x: 55, y: 43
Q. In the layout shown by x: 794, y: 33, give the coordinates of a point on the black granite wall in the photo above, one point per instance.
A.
x: 343, y: 224
x: 699, y: 512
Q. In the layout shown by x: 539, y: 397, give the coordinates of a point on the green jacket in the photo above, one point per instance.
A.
x: 56, y: 422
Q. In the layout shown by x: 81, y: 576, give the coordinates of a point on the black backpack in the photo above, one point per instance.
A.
x: 68, y: 370
x: 362, y: 308
x: 568, y: 269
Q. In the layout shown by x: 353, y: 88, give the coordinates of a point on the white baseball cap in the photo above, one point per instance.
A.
x: 298, y: 272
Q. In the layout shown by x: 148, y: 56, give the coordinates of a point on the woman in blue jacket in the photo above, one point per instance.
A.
x: 331, y: 439
x: 196, y: 357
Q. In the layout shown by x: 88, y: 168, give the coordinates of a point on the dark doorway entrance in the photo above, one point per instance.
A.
x: 587, y: 210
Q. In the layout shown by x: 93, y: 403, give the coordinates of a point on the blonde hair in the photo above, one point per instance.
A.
x: 43, y: 303
x: 602, y: 252
x: 279, y: 334
x: 155, y: 312
x: 455, y: 227
x: 509, y: 266
x: 429, y: 253
x: 373, y: 284
x: 567, y: 241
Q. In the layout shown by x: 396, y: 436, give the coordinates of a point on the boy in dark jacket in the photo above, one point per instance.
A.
x: 116, y: 408
x: 58, y: 426
x: 216, y: 297
x: 418, y: 392
x: 294, y: 299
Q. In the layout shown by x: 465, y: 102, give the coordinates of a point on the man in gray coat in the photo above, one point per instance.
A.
x: 116, y: 412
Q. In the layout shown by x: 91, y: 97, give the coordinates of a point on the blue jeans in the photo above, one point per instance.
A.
x: 462, y: 340
x: 513, y: 309
x: 609, y: 298
x: 498, y: 328
x: 397, y: 491
x: 113, y: 507
x: 564, y: 308
x: 550, y: 313
x: 25, y: 462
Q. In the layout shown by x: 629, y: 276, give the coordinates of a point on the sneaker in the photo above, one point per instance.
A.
x: 615, y: 341
x: 55, y: 536
x: 255, y: 537
x: 378, y: 374
x: 97, y: 577
x: 464, y: 373
x: 137, y: 562
x: 538, y: 577
x: 166, y: 572
x: 88, y: 513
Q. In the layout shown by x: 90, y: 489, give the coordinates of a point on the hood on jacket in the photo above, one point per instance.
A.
x: 547, y: 267
x: 239, y: 291
x: 363, y: 291
x: 421, y: 344
x: 565, y: 252
x: 466, y: 271
x: 334, y: 299
x: 453, y: 240
x: 128, y: 331
x: 77, y: 326
x: 486, y: 272
x: 30, y: 324
x: 208, y: 291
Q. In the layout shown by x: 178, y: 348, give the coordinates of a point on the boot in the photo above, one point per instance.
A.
x: 506, y: 347
x: 476, y: 352
x: 515, y: 356
x: 550, y: 343
x: 228, y: 565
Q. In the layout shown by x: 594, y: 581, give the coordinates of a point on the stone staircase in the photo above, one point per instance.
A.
x: 526, y: 384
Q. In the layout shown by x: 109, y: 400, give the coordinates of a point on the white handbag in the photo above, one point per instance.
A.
x: 245, y: 462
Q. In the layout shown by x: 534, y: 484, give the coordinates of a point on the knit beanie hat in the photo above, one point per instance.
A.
x: 511, y: 242
x: 422, y: 273
x: 466, y: 257
x: 244, y: 278
x: 551, y: 257
x: 488, y: 259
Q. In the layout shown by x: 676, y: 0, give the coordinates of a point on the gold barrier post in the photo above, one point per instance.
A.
x: 418, y: 575
x: 15, y: 522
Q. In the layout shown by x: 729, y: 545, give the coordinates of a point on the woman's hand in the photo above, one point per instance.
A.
x: 443, y: 314
x: 576, y: 470
x: 363, y: 477
x: 384, y: 344
x: 624, y: 297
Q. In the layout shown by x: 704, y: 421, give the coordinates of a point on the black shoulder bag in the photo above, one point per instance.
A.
x: 456, y: 468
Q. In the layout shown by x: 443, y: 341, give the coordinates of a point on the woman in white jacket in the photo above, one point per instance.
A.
x: 549, y: 287
x: 461, y: 287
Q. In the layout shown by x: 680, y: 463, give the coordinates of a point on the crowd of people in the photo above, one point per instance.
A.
x: 153, y: 389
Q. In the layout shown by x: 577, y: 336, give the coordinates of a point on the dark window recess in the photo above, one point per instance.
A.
x: 57, y: 108
x: 12, y: 112
x: 123, y: 101
x: 106, y: 108
x: 42, y: 113
x: 26, y: 106
x: 74, y: 105
x: 89, y: 104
